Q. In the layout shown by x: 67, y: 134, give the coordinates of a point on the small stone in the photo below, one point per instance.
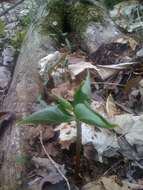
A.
x: 8, y: 51
x: 8, y: 56
x: 5, y: 77
x: 55, y: 23
x: 140, y: 53
x: 11, y: 26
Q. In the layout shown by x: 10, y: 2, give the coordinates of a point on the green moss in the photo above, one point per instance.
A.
x: 2, y: 28
x: 26, y: 21
x: 63, y: 17
x: 80, y: 14
x: 22, y: 160
x: 18, y: 39
x: 53, y: 23
x: 56, y: 5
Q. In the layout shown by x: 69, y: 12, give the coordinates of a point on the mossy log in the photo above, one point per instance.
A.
x: 24, y: 90
x: 90, y: 22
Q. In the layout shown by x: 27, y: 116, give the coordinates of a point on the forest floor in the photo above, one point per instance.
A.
x: 117, y: 93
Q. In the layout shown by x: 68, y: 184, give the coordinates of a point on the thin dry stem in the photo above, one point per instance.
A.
x: 53, y: 162
x: 78, y: 149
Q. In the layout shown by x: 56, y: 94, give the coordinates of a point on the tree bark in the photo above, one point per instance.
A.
x: 21, y: 97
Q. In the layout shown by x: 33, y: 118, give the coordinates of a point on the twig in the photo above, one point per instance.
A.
x: 53, y: 162
x: 124, y: 108
x: 108, y: 83
x: 78, y: 149
x: 112, y: 167
x: 10, y: 8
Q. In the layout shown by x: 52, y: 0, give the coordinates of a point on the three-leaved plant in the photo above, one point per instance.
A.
x: 79, y: 110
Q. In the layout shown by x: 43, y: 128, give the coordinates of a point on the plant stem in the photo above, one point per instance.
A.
x: 78, y: 148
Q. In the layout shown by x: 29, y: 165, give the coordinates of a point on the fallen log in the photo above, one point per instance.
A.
x: 26, y: 85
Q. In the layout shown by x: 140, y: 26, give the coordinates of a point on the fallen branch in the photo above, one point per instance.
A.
x: 10, y: 8
x: 53, y: 162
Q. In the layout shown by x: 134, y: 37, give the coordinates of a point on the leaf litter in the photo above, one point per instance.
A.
x: 116, y: 89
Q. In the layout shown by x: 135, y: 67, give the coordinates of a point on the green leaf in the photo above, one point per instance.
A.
x: 87, y: 115
x: 83, y: 94
x: 49, y: 115
x: 63, y: 103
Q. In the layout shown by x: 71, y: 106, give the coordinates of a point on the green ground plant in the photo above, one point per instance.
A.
x: 2, y: 28
x: 78, y: 110
x: 18, y: 39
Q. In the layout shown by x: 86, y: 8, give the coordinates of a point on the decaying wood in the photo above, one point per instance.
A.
x: 21, y: 97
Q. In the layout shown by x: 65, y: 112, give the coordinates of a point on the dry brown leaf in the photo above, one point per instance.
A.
x: 113, y: 183
x: 52, y: 149
x: 48, y: 132
x: 131, y: 41
x: 75, y: 60
x: 133, y: 44
x: 89, y: 152
x: 76, y: 69
x: 65, y: 90
x: 61, y: 90
x: 105, y: 183
x: 47, y: 171
x: 104, y: 71
x: 111, y: 108
x: 131, y: 83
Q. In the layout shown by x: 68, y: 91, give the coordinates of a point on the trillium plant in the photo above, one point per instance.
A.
x: 78, y: 110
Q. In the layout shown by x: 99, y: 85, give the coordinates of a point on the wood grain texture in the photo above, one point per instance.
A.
x: 20, y: 100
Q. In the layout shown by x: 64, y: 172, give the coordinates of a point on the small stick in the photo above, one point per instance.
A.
x: 78, y: 149
x: 108, y: 83
x: 124, y: 108
x: 53, y: 162
x: 112, y: 167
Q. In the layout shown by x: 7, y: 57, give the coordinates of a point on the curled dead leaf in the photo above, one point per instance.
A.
x: 107, y: 183
x: 132, y: 83
x: 111, y: 108
x: 104, y: 71
x: 47, y: 171
x: 63, y: 90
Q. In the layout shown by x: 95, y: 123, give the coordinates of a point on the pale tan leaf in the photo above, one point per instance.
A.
x: 106, y: 183
x: 133, y: 44
x: 111, y: 108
